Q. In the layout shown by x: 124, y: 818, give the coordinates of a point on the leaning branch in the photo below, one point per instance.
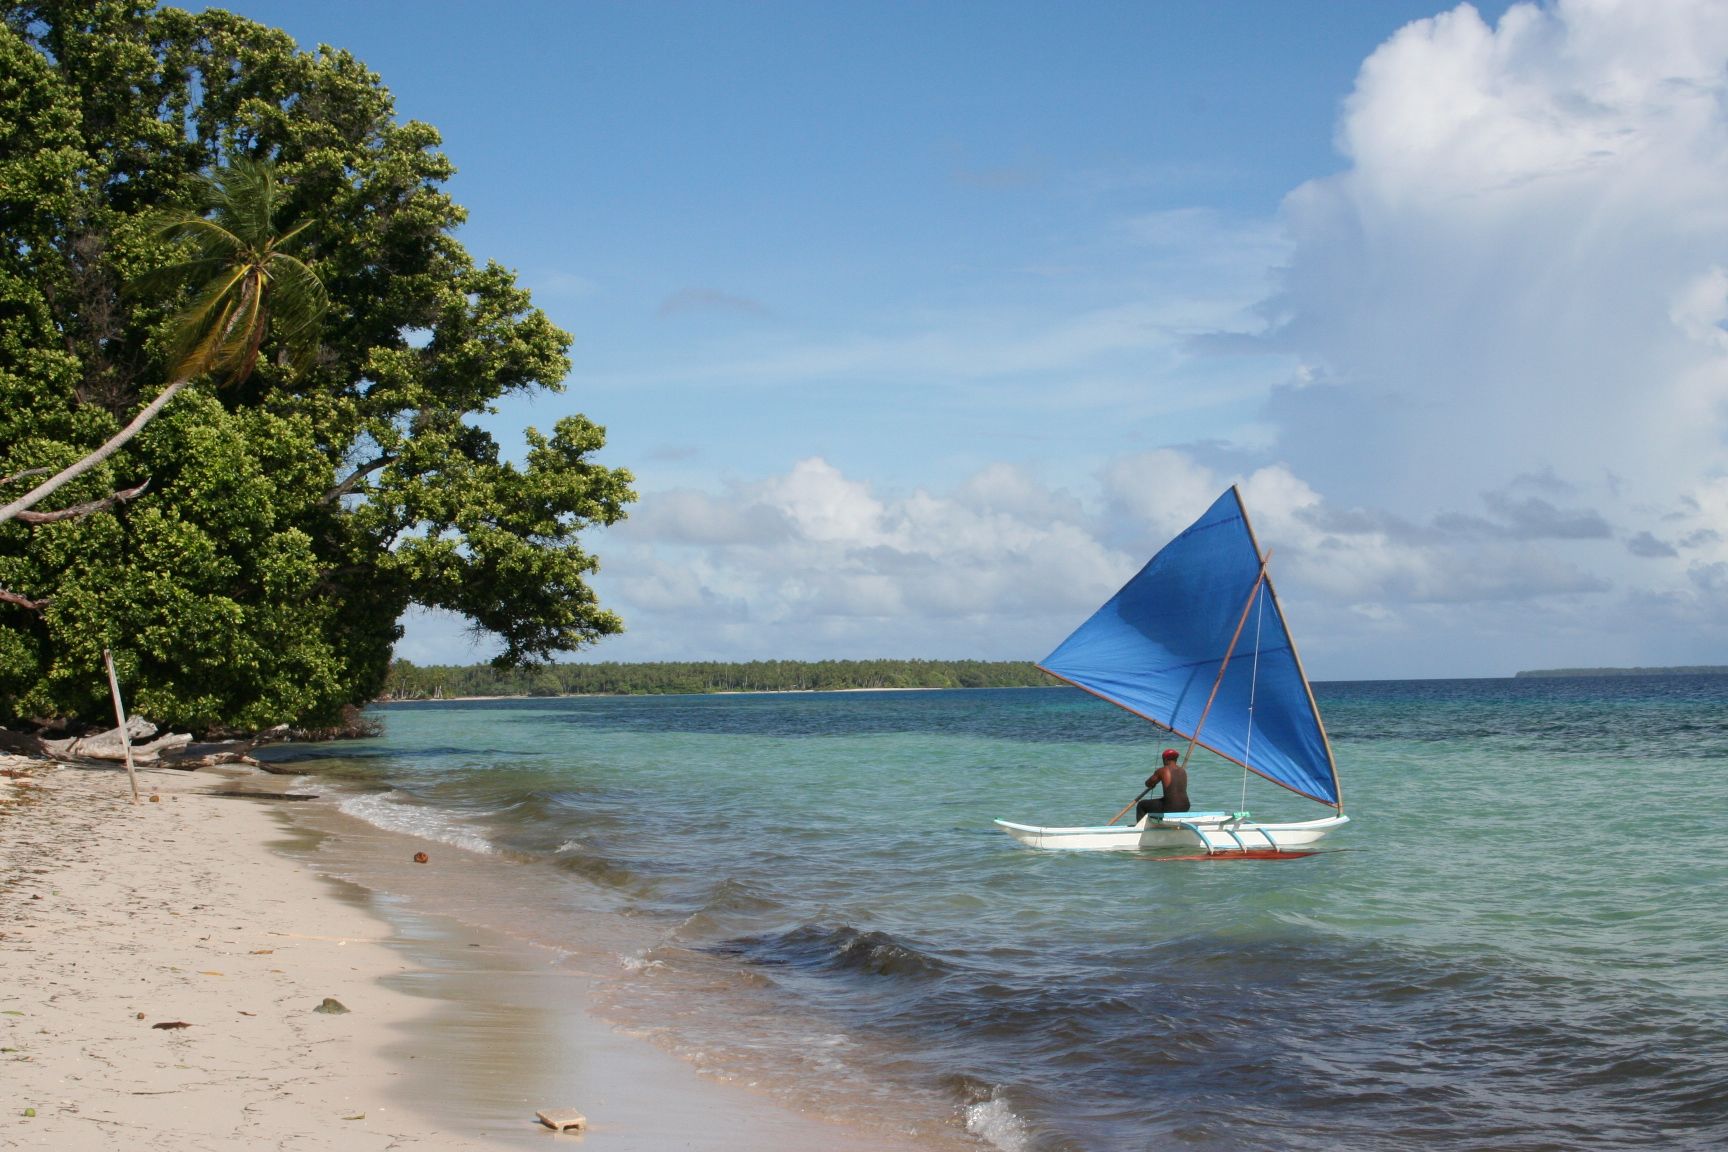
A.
x: 45, y: 489
x: 112, y: 500
x: 22, y: 601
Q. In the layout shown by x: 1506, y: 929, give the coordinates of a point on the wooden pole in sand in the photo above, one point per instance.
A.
x: 120, y: 718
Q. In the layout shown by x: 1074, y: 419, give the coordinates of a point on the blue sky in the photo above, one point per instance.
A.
x: 922, y: 325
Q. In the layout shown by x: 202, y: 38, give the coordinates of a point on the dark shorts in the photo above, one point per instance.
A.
x: 1155, y: 807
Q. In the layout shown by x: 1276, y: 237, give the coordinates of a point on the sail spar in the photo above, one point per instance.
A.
x: 1156, y: 648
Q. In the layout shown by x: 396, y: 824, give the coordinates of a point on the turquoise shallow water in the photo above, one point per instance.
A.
x: 1516, y: 944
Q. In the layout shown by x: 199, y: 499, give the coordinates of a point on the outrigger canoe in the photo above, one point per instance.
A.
x: 1196, y: 644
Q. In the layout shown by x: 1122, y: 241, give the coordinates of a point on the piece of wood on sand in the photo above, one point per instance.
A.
x: 563, y: 1119
x: 120, y: 719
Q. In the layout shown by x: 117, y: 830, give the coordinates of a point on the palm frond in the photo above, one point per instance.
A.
x: 249, y: 285
x: 297, y: 305
x: 207, y: 235
x: 248, y: 198
x: 201, y: 329
x: 170, y: 277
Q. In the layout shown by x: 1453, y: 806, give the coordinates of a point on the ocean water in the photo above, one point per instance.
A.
x: 1517, y: 944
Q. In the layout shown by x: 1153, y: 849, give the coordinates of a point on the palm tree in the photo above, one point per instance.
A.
x: 249, y: 287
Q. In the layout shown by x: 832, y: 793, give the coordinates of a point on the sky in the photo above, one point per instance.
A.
x: 923, y: 325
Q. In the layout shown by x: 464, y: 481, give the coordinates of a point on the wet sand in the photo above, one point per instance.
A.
x: 212, y: 911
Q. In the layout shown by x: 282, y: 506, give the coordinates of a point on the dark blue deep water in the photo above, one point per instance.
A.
x: 1517, y: 944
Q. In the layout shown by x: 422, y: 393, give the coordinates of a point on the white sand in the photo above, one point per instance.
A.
x: 114, y: 918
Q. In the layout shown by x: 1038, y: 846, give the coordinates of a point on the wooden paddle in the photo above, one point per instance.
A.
x: 1131, y: 804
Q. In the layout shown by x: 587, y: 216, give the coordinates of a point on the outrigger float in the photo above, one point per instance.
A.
x: 1196, y: 644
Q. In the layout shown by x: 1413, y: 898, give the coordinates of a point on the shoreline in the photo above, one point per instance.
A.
x: 219, y: 912
x: 383, y: 701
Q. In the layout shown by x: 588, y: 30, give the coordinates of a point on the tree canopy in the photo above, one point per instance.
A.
x: 275, y: 530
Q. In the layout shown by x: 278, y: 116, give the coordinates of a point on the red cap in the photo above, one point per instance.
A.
x: 1171, y: 754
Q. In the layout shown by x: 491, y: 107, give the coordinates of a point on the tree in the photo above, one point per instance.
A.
x: 294, y: 514
x: 247, y: 279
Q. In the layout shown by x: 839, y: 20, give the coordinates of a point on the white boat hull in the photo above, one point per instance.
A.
x: 1216, y: 833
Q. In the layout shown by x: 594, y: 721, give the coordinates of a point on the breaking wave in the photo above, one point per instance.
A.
x: 381, y: 810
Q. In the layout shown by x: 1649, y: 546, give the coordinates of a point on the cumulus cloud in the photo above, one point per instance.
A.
x: 1522, y: 265
x: 687, y: 516
x: 813, y: 563
x: 1509, y: 308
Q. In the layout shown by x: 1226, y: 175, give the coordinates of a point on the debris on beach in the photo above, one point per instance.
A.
x: 421, y: 858
x: 112, y: 745
x: 167, y: 1025
x: 331, y: 1007
x: 174, y: 750
x: 562, y: 1119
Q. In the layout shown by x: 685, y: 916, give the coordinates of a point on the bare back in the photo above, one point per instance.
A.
x: 1174, y: 778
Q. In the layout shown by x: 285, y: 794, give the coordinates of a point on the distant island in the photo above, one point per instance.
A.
x: 409, y: 681
x: 1681, y: 670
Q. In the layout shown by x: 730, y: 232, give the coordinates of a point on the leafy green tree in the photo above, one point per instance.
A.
x: 247, y: 279
x: 291, y: 516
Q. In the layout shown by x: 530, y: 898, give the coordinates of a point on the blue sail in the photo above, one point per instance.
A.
x: 1157, y: 646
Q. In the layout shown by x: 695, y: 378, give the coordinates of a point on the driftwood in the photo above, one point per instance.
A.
x: 208, y: 754
x: 176, y: 750
x: 109, y: 746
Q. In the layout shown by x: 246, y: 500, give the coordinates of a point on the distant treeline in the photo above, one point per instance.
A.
x: 1683, y: 670
x: 408, y: 681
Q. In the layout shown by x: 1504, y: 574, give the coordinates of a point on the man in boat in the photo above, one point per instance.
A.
x: 1174, y: 779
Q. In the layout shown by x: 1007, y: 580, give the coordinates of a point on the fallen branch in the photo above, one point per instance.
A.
x: 108, y: 745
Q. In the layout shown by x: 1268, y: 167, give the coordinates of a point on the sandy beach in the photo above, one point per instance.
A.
x: 164, y: 963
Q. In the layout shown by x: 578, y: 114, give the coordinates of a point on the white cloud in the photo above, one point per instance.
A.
x: 1521, y: 267
x: 1003, y: 566
x: 1509, y: 309
x: 687, y: 516
x: 1000, y: 567
x: 1157, y: 493
x: 825, y: 506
